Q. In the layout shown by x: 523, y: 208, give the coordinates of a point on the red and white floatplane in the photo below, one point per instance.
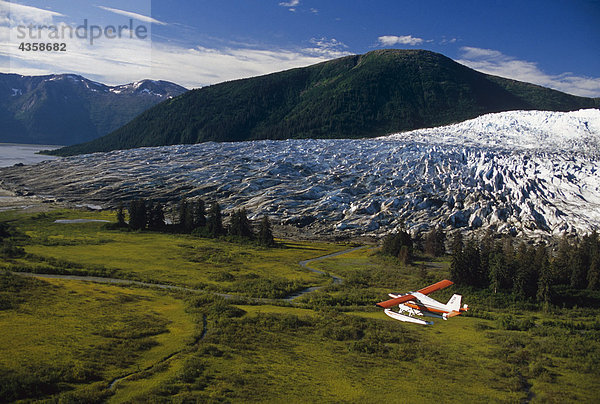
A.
x: 413, y: 304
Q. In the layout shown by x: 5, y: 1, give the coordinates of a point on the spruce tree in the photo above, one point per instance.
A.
x: 156, y: 219
x: 189, y: 217
x: 526, y: 276
x: 390, y: 245
x: 486, y: 246
x: 544, y: 291
x: 199, y: 214
x: 245, y: 225
x: 143, y: 214
x: 214, y: 221
x: 560, y: 263
x: 132, y: 210
x: 393, y: 243
x: 540, y: 262
x: 457, y: 266
x: 234, y: 228
x: 594, y: 273
x: 470, y: 269
x: 239, y: 225
x: 121, y: 216
x: 183, y: 209
x: 137, y: 214
x: 149, y: 210
x: 265, y: 234
x: 578, y: 268
x: 405, y: 255
x: 508, y: 251
x: 434, y: 242
x: 497, y: 271
x: 4, y: 230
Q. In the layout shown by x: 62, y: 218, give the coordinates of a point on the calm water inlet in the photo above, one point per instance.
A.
x: 11, y: 154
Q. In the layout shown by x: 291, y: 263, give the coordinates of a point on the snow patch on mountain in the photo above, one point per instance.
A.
x: 521, y: 172
x: 155, y: 88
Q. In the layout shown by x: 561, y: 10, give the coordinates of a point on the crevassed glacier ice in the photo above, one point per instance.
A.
x: 521, y: 171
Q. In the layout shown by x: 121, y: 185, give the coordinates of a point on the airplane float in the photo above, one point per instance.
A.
x: 419, y: 304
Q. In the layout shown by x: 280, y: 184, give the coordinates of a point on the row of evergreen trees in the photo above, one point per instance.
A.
x: 402, y: 246
x: 142, y: 215
x: 529, y: 272
x: 193, y: 218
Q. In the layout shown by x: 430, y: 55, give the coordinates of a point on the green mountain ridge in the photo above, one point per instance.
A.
x: 374, y: 94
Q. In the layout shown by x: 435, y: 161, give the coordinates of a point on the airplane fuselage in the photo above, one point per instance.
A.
x: 423, y: 305
x: 419, y: 304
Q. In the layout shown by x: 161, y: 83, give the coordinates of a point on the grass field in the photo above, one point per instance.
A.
x: 88, y: 248
x: 67, y: 341
x: 537, y: 356
x: 76, y: 337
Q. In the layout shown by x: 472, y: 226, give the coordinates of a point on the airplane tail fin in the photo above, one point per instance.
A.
x: 454, y: 303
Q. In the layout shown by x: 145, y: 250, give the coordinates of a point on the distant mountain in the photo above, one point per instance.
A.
x: 368, y: 95
x: 66, y: 109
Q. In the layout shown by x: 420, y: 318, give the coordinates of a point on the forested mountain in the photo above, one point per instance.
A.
x: 66, y: 109
x: 368, y: 95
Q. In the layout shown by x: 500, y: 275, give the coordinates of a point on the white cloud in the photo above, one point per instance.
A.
x: 18, y: 13
x: 446, y: 41
x: 327, y: 48
x: 496, y: 63
x: 130, y: 58
x: 291, y: 3
x: 136, y: 16
x: 127, y: 60
x: 88, y: 51
x: 200, y: 66
x: 391, y: 40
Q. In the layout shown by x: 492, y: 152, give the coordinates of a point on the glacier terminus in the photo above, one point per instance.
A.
x: 518, y: 172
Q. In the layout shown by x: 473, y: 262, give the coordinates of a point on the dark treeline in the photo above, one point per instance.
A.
x: 193, y: 218
x: 537, y: 273
x: 528, y: 272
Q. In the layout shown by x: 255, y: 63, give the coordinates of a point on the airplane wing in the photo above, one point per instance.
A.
x: 405, y: 298
x: 436, y: 286
x: 395, y: 301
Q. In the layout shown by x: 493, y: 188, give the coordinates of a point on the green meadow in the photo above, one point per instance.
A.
x: 78, y: 341
x: 70, y: 337
x: 182, y: 260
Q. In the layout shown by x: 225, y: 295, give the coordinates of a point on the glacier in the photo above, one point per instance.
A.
x: 519, y: 172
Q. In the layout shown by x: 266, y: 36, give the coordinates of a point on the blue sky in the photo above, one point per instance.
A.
x: 197, y: 43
